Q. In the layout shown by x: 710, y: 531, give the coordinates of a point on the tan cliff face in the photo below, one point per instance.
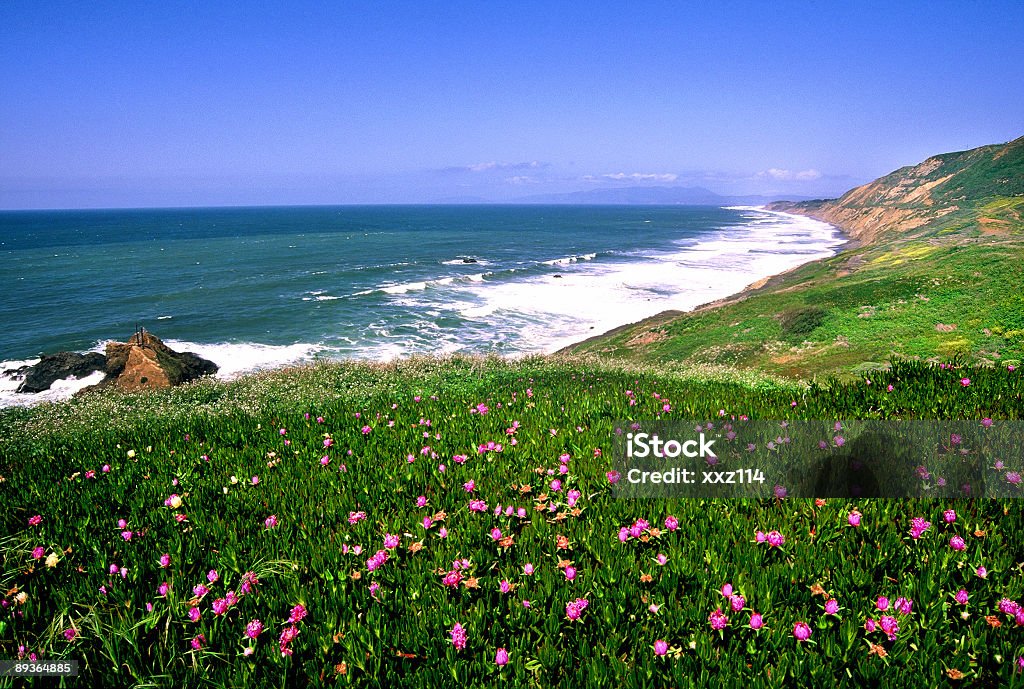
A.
x: 912, y: 197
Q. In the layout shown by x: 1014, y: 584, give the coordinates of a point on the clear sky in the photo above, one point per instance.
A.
x: 211, y: 103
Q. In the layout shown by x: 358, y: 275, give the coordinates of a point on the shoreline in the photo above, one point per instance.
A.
x: 65, y: 389
x: 849, y: 243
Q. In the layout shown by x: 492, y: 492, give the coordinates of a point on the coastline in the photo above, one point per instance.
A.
x: 849, y: 243
x: 263, y: 357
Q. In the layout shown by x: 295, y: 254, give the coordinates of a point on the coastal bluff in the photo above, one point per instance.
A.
x: 143, y: 362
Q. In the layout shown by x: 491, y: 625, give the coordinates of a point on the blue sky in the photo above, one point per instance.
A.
x: 152, y: 104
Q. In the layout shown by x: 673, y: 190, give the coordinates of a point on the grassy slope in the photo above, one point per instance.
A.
x: 939, y: 246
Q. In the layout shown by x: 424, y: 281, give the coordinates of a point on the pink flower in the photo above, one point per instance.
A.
x: 496, y: 534
x: 775, y: 539
x: 501, y: 658
x: 458, y: 634
x: 718, y: 620
x: 982, y: 572
x: 163, y: 589
x: 105, y: 469
x: 801, y: 632
x: 452, y: 579
x: 38, y: 552
x: 661, y: 559
x: 957, y: 543
x: 737, y: 603
x: 882, y: 604
x: 760, y: 537
x: 212, y: 576
x: 298, y: 614
x: 356, y: 517
x: 270, y: 522
x: 194, y: 614
x: 853, y: 518
x: 869, y: 625
x: 421, y: 501
x: 570, y: 573
x: 727, y: 590
x: 378, y: 559
x: 660, y: 647
x: 889, y: 626
x: 198, y: 641
x: 831, y: 606
x: 165, y: 560
x: 1008, y: 607
x: 756, y: 621
x: 391, y: 541
x: 528, y: 569
x: 287, y: 636
x: 220, y: 606
x: 949, y: 516
x: 671, y: 523
x: 574, y: 609
x: 126, y: 535
x: 253, y: 629
x: 961, y: 597
x: 505, y: 586
x: 917, y: 527
x: 965, y: 382
x: 70, y: 634
x: 613, y: 477
x: 35, y: 521
x: 469, y: 486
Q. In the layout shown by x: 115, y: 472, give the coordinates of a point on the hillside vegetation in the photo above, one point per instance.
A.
x: 933, y: 271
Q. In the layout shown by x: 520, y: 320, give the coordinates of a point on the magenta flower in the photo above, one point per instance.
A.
x: 917, y: 527
x: 869, y: 625
x: 220, y: 606
x: 496, y: 534
x: 961, y: 597
x: 35, y: 521
x: 298, y: 614
x: 505, y: 586
x: 194, y: 614
x: 165, y: 560
x: 727, y: 590
x: 459, y: 637
x: 421, y: 501
x: 718, y: 620
x: 957, y: 543
x: 575, y: 608
x: 801, y: 631
x: 528, y: 569
x: 287, y: 636
x: 198, y: 641
x: 756, y: 621
x: 671, y: 523
x: 760, y: 537
x: 163, y: 588
x: 889, y: 626
x: 38, y: 552
x: 853, y: 518
x: 965, y: 382
x: 613, y: 477
x: 126, y: 535
x: 903, y: 605
x: 831, y: 606
x: 949, y: 516
x: 1008, y: 607
x: 70, y: 634
x: 391, y: 541
x: 378, y: 559
x: 198, y: 590
x: 469, y: 486
x: 737, y: 603
x: 882, y: 604
x: 662, y: 559
x: 270, y: 522
x: 660, y: 647
x: 775, y: 539
x: 982, y: 572
x: 501, y: 658
x: 570, y: 573
x: 253, y: 629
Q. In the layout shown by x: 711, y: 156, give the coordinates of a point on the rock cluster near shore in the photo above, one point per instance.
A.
x: 143, y: 362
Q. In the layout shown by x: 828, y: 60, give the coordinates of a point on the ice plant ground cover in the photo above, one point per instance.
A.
x: 451, y: 523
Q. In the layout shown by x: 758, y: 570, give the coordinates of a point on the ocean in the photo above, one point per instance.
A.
x: 252, y: 288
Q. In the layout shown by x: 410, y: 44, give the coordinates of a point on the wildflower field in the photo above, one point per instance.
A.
x: 453, y: 522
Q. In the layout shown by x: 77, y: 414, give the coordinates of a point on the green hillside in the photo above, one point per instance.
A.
x: 932, y: 271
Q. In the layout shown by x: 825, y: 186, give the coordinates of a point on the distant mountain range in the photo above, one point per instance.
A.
x: 638, y: 196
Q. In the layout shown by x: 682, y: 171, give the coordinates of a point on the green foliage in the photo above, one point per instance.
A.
x: 193, y: 440
x: 799, y: 322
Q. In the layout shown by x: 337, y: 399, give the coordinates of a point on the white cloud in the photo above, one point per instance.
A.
x: 642, y: 177
x: 522, y: 179
x: 789, y: 175
x: 493, y: 165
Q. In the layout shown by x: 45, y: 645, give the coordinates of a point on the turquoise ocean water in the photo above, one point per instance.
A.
x: 259, y: 287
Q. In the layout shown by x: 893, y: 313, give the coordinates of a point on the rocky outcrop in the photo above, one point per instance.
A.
x: 143, y: 362
x: 58, y: 367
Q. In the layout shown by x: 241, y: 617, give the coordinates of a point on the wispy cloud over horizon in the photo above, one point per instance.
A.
x: 784, y: 175
x: 492, y: 165
x: 633, y: 177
